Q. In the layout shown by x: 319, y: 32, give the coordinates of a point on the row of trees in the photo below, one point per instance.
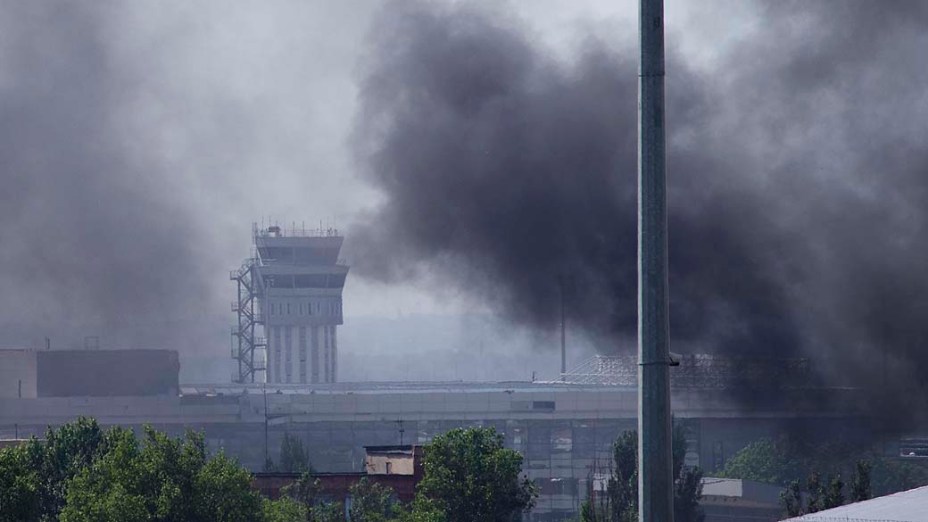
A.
x: 783, y: 460
x: 303, y: 501
x: 82, y: 473
x: 824, y: 493
x: 811, y: 472
x: 620, y: 502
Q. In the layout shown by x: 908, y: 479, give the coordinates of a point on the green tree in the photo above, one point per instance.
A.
x: 889, y: 475
x: 823, y: 494
x: 687, y: 492
x: 422, y: 510
x: 108, y: 490
x: 371, y: 502
x: 63, y: 454
x: 470, y: 476
x: 163, y: 479
x: 764, y: 460
x: 328, y: 512
x: 621, y: 501
x: 860, y: 484
x: 284, y: 509
x: 34, y: 476
x: 20, y: 486
x: 687, y: 488
x: 816, y: 488
x: 834, y: 495
x: 782, y: 461
x: 223, y: 492
x: 791, y: 498
x: 293, y: 456
x: 307, y: 491
x: 622, y: 489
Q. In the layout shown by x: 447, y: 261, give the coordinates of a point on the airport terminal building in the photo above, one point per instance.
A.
x: 563, y: 429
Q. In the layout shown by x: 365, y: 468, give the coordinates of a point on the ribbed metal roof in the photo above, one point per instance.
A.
x: 906, y: 506
x: 699, y: 371
x: 387, y: 387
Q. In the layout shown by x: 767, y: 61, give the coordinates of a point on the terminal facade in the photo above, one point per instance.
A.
x: 564, y: 431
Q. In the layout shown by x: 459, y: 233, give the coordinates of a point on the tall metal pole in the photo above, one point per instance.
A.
x: 563, y: 332
x: 655, y: 480
x: 266, y: 454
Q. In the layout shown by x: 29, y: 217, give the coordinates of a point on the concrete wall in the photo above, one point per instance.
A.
x: 399, y: 465
x: 107, y: 373
x: 18, y: 373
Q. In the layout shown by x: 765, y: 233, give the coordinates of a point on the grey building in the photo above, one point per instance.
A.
x: 564, y: 430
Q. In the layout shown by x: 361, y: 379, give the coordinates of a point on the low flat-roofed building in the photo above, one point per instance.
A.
x: 726, y: 499
x: 393, y: 460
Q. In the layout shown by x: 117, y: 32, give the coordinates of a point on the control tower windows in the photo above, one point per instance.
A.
x: 313, y: 281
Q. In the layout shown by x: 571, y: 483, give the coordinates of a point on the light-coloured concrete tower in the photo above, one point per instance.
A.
x: 297, y: 282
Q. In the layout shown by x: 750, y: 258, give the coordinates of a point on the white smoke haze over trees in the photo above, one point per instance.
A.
x: 473, y: 153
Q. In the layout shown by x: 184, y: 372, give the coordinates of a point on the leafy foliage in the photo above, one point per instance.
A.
x: 834, y: 496
x: 622, y: 489
x: 81, y: 473
x: 161, y: 479
x: 791, y: 498
x: 284, y: 509
x: 34, y: 476
x: 423, y: 510
x: 469, y: 475
x: 20, y: 486
x: 816, y: 493
x: 293, y: 456
x: 860, y: 485
x: 782, y: 461
x: 371, y: 502
x: 892, y: 475
x: 765, y: 460
x: 621, y: 501
x: 820, y: 496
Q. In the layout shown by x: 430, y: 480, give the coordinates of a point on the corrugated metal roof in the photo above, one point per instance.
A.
x: 905, y: 506
x: 392, y: 387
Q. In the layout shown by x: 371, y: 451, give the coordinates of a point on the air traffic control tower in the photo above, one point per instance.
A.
x: 292, y: 287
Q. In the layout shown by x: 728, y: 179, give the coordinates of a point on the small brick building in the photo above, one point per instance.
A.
x: 398, y: 467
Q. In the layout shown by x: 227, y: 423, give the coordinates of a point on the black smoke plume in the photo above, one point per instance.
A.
x: 797, y: 170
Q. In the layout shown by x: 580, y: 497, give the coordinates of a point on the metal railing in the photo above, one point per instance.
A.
x: 293, y: 231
